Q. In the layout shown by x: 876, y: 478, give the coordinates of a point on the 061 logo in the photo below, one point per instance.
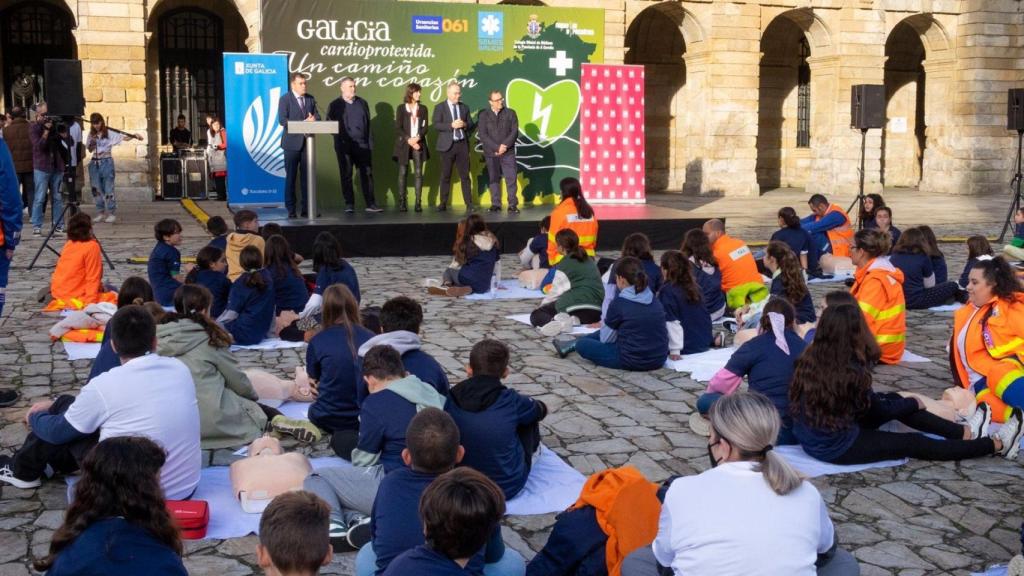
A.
x: 455, y: 26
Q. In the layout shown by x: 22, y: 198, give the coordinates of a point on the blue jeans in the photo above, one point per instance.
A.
x: 101, y: 176
x: 44, y: 180
x: 600, y: 353
x: 510, y: 564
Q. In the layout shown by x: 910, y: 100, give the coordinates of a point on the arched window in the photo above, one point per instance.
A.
x: 191, y: 75
x: 803, y: 95
x: 30, y: 33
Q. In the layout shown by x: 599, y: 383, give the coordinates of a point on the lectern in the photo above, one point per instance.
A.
x: 310, y: 129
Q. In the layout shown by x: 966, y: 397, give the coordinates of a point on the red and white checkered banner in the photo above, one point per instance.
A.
x: 612, y: 134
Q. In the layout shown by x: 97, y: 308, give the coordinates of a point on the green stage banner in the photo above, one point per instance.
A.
x: 532, y: 54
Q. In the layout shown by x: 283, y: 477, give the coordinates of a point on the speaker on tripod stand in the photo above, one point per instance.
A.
x: 867, y: 111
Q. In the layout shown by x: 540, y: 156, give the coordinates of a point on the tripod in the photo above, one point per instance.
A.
x: 1015, y: 186
x: 70, y: 209
x: 859, y: 201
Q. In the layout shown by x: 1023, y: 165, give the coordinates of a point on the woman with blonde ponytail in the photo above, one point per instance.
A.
x: 751, y: 513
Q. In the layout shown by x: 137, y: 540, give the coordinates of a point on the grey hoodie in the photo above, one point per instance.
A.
x: 401, y: 340
x: 417, y: 392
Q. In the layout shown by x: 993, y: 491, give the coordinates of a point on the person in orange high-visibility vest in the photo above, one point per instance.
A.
x: 986, y: 351
x: 77, y: 280
x: 878, y: 288
x: 741, y: 282
x: 829, y: 227
x: 574, y: 213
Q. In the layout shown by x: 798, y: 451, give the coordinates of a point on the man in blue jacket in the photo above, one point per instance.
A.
x: 10, y: 221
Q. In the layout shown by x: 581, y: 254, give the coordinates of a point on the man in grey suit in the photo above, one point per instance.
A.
x: 454, y: 124
x: 497, y: 129
x: 295, y: 105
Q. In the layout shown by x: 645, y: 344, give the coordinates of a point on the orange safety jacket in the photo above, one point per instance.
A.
x: 83, y: 335
x: 878, y: 288
x: 79, y: 272
x: 840, y: 237
x: 986, y: 351
x: 565, y: 216
x: 736, y: 262
x: 627, y: 508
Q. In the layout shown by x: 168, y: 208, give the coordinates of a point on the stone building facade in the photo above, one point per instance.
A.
x: 742, y: 96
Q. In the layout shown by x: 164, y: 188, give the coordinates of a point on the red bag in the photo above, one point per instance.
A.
x: 191, y: 516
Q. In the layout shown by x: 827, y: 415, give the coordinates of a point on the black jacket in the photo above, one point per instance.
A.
x: 443, y: 124
x: 402, y: 133
x: 336, y: 111
x: 493, y: 130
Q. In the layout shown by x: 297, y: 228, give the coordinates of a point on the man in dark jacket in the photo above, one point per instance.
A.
x: 16, y: 136
x: 353, y: 144
x: 454, y: 125
x: 296, y: 105
x: 497, y: 129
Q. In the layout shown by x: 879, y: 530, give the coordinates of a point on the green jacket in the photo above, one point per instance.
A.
x: 585, y: 289
x: 228, y: 413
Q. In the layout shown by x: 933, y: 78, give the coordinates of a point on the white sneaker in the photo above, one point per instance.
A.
x: 98, y: 218
x: 7, y: 476
x: 553, y: 328
x: 567, y: 319
x: 1010, y: 434
x: 980, y: 420
x: 110, y: 219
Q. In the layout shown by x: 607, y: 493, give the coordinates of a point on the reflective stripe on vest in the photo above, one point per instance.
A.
x: 890, y: 338
x: 886, y: 314
x: 1008, y: 379
x: 1006, y: 349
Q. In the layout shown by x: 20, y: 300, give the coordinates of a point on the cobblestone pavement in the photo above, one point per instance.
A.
x: 920, y: 518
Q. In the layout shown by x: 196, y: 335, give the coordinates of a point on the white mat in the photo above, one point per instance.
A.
x: 81, y: 350
x: 294, y: 409
x: 508, y: 290
x: 909, y: 356
x: 947, y: 308
x: 993, y: 571
x: 837, y: 278
x: 578, y: 330
x: 704, y: 365
x: 269, y: 344
x: 812, y: 467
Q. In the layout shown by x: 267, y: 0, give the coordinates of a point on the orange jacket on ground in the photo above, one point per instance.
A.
x: 627, y: 511
x: 878, y: 288
x: 840, y: 237
x: 79, y: 272
x: 736, y: 262
x: 565, y: 216
x: 986, y: 352
x: 83, y: 335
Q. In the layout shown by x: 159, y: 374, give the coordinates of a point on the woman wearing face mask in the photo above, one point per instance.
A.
x: 750, y: 514
x: 988, y: 338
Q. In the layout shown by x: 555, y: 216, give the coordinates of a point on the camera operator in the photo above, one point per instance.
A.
x: 47, y: 170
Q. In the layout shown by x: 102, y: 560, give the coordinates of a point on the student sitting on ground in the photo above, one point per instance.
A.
x: 117, y: 522
x: 1015, y: 249
x: 751, y: 513
x: 290, y: 292
x: 332, y: 365
x: 977, y: 246
x: 134, y: 290
x: 686, y: 318
x: 836, y: 415
x: 394, y: 399
x: 868, y: 209
x: 147, y: 395
x: 293, y: 536
x: 741, y: 282
x: 798, y: 239
x: 575, y: 294
x: 460, y: 510
x: 638, y: 246
x: 829, y: 227
x: 164, y: 267
x: 78, y: 277
x: 931, y: 245
x: 475, y: 257
x: 500, y: 427
x: 210, y: 272
x: 218, y: 228
x: 767, y: 362
x: 878, y: 288
x: 697, y: 248
x: 634, y: 336
x: 883, y: 223
x: 433, y: 449
x: 788, y: 281
x: 921, y: 289
x: 401, y: 318
x: 535, y: 255
x: 247, y: 233
x: 249, y: 316
x: 331, y: 269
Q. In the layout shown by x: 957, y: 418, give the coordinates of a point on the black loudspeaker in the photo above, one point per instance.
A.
x: 867, y: 106
x: 64, y: 95
x: 1015, y: 109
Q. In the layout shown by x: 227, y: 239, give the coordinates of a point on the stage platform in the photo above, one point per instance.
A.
x: 393, y: 233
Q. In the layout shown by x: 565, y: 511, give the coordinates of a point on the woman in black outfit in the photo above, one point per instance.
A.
x: 411, y: 144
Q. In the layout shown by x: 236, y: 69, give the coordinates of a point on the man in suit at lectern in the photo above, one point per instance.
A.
x: 454, y: 124
x: 293, y: 106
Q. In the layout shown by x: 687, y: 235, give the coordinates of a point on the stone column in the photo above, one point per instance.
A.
x: 825, y: 104
x: 939, y: 118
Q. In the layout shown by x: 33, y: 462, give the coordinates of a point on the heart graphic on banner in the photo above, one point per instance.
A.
x: 545, y: 114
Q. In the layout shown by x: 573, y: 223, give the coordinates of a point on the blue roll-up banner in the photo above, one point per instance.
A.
x: 253, y: 84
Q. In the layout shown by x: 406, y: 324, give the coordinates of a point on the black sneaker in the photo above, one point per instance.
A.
x: 374, y: 208
x: 359, y: 533
x: 564, y: 345
x: 7, y: 475
x: 350, y: 209
x: 8, y: 398
x: 513, y: 210
x: 442, y: 208
x: 494, y: 209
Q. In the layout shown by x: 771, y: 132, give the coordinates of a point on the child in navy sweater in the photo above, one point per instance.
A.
x: 134, y: 290
x: 688, y: 321
x: 293, y: 535
x: 931, y: 244
x: 211, y: 272
x: 788, y: 281
x: 432, y: 449
x: 290, y: 292
x: 218, y: 228
x: 249, y: 316
x: 634, y: 335
x: 705, y: 271
x: 383, y: 419
x: 333, y: 368
x: 638, y: 246
x: 500, y: 427
x: 535, y: 255
x: 799, y: 240
x: 920, y: 288
x: 459, y: 511
x: 164, y: 267
x: 976, y: 246
x: 331, y: 269
x: 475, y: 256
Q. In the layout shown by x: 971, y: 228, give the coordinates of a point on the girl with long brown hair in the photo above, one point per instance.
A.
x: 474, y: 261
x: 101, y: 142
x: 697, y: 248
x: 686, y: 318
x: 250, y: 312
x: 921, y: 287
x: 788, y: 281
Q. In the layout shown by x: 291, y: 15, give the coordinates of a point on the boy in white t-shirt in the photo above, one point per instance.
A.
x: 147, y: 395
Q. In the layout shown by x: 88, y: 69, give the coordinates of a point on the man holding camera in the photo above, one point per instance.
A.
x: 47, y: 169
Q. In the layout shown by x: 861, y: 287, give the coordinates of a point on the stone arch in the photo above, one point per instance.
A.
x: 58, y: 41
x: 662, y: 38
x: 818, y: 33
x: 934, y: 36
